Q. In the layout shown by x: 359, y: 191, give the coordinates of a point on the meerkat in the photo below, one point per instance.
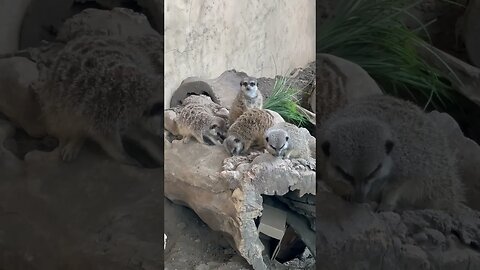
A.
x: 96, y: 87
x: 214, y: 108
x: 248, y: 130
x: 249, y: 97
x: 196, y: 120
x: 288, y: 141
x: 384, y: 149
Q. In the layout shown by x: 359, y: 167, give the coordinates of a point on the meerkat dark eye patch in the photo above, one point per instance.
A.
x: 345, y: 175
x: 236, y: 140
x: 389, y: 146
x: 214, y: 126
x: 326, y: 148
x: 266, y: 139
x: 244, y: 84
x: 252, y: 83
x: 377, y: 169
x: 286, y: 138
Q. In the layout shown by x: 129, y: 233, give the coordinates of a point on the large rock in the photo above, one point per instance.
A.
x: 338, y: 82
x: 352, y: 236
x: 17, y: 100
x: 11, y: 17
x: 226, y: 191
x: 471, y: 28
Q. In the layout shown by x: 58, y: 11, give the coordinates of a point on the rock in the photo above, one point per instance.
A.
x: 117, y: 22
x: 225, y: 192
x: 465, y: 78
x: 468, y: 156
x: 154, y: 9
x: 42, y: 21
x: 351, y: 236
x: 471, y: 28
x: 221, y: 90
x: 169, y: 121
x: 344, y: 80
x: 11, y: 18
x: 17, y: 100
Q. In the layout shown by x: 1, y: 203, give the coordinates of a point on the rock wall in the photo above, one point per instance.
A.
x: 261, y: 38
x: 11, y: 16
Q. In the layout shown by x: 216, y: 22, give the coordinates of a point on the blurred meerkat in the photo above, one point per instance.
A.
x: 249, y: 97
x: 249, y: 129
x: 196, y: 120
x: 97, y: 87
x: 387, y: 150
x: 288, y: 141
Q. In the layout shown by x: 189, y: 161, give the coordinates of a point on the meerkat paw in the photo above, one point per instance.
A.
x: 70, y: 150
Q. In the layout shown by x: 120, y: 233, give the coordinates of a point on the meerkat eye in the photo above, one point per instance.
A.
x: 244, y: 84
x: 266, y: 139
x: 236, y: 140
x: 214, y: 126
x: 345, y: 175
x: 286, y: 138
x: 372, y: 174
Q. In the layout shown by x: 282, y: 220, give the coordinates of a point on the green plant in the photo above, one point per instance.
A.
x: 284, y: 101
x: 371, y: 34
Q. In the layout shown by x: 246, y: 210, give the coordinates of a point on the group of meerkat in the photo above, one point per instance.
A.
x: 384, y: 149
x: 251, y: 125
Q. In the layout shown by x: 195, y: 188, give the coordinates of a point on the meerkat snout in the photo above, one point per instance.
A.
x: 233, y: 145
x: 362, y: 165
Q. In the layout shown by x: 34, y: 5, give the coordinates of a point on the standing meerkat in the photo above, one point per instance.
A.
x: 97, y: 87
x: 249, y: 97
x: 288, y: 141
x: 249, y: 129
x: 385, y: 149
x: 196, y: 120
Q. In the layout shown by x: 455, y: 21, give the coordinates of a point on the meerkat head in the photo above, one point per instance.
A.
x: 215, y: 134
x: 249, y: 87
x: 357, y: 152
x: 276, y: 141
x: 234, y: 145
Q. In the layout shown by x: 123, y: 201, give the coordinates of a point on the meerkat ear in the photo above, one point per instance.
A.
x: 389, y: 146
x: 326, y: 148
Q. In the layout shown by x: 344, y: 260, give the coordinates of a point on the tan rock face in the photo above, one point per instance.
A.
x: 17, y: 101
x: 262, y: 38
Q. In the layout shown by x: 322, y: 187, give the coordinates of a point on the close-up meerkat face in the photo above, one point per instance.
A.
x: 358, y: 153
x: 276, y: 141
x: 216, y: 132
x: 233, y: 145
x: 249, y: 87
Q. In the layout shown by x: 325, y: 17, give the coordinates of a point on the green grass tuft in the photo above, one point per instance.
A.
x: 284, y: 101
x: 372, y: 35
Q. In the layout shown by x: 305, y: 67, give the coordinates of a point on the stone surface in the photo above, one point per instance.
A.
x: 352, y: 236
x: 468, y: 155
x: 17, y: 100
x: 226, y: 191
x: 471, y: 28
x: 92, y: 213
x: 262, y: 38
x: 11, y: 17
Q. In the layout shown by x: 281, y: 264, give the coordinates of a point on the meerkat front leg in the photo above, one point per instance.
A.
x: 70, y: 148
x: 112, y: 144
x: 389, y: 199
